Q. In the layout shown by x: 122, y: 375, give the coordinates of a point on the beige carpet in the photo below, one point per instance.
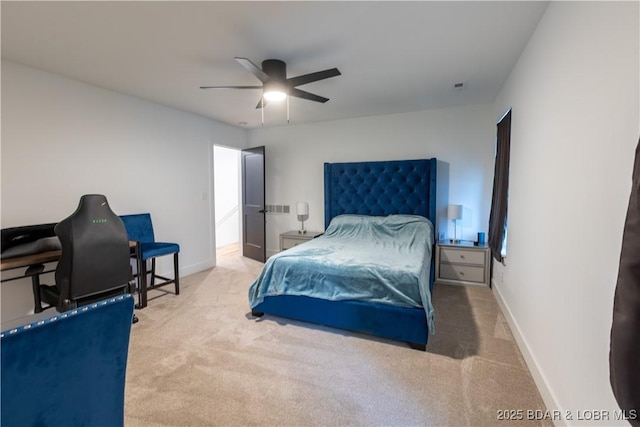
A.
x: 199, y: 359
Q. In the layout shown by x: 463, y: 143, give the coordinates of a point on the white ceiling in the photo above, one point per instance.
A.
x: 394, y: 56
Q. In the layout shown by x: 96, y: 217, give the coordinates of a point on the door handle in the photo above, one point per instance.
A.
x: 261, y: 211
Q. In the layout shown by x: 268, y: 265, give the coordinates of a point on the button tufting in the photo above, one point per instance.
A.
x: 378, y: 188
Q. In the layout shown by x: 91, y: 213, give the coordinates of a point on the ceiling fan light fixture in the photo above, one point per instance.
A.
x: 274, y: 95
x: 275, y: 90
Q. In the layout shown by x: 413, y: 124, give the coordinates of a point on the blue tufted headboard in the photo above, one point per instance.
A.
x: 380, y: 188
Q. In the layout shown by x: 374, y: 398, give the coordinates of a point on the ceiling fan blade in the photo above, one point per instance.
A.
x: 306, y: 95
x: 312, y: 77
x: 230, y: 87
x: 262, y: 102
x: 253, y: 69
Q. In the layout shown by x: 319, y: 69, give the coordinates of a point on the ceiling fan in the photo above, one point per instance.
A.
x: 275, y: 84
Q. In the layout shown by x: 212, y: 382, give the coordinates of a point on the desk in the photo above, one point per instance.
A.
x: 27, y: 260
x: 46, y: 257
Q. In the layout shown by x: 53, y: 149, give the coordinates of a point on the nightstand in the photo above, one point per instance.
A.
x: 293, y: 238
x: 462, y: 263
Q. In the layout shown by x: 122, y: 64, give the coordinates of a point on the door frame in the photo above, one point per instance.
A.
x: 212, y: 198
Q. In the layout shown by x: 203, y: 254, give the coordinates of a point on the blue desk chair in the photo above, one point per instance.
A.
x: 140, y: 229
x: 68, y: 369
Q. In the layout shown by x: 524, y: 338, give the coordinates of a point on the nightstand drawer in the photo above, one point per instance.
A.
x: 461, y: 272
x: 289, y: 243
x: 455, y: 255
x: 294, y: 238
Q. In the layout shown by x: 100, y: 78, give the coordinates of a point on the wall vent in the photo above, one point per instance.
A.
x: 277, y: 209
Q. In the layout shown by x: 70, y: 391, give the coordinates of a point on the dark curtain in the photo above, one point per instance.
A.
x: 624, y: 354
x: 498, y: 214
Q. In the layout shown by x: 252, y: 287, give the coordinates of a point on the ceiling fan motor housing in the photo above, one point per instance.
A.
x: 277, y: 72
x: 276, y: 69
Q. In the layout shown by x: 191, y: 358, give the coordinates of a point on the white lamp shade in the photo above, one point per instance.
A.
x: 303, y: 208
x: 454, y: 211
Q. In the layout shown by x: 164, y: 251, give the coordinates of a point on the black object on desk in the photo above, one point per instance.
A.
x: 28, y: 240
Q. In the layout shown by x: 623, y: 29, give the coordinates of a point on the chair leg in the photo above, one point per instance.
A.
x: 147, y: 279
x: 143, y: 284
x: 153, y: 272
x: 138, y: 276
x: 176, y: 274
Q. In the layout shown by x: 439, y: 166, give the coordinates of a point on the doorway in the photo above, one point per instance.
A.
x: 226, y: 179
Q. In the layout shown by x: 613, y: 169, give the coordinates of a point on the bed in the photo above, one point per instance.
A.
x: 387, y: 198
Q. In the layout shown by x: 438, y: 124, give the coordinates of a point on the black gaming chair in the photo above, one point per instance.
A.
x: 94, y: 264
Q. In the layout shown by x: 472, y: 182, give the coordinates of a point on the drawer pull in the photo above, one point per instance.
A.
x: 461, y: 256
x: 461, y: 273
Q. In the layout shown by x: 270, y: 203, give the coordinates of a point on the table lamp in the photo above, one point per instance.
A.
x: 455, y: 213
x: 303, y: 213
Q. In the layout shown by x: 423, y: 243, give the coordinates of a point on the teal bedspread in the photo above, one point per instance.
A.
x: 365, y: 258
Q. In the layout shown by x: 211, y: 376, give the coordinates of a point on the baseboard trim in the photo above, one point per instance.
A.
x: 186, y: 270
x: 197, y: 268
x: 540, y: 380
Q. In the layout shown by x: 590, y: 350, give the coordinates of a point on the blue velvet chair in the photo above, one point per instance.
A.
x: 68, y: 369
x: 140, y: 229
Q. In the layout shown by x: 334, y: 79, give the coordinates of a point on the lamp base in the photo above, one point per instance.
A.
x: 302, y: 231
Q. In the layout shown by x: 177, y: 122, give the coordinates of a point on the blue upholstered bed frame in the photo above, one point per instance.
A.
x: 369, y: 188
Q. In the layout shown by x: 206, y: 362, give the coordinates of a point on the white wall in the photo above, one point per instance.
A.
x: 464, y: 137
x: 226, y: 163
x: 575, y: 125
x: 62, y: 139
